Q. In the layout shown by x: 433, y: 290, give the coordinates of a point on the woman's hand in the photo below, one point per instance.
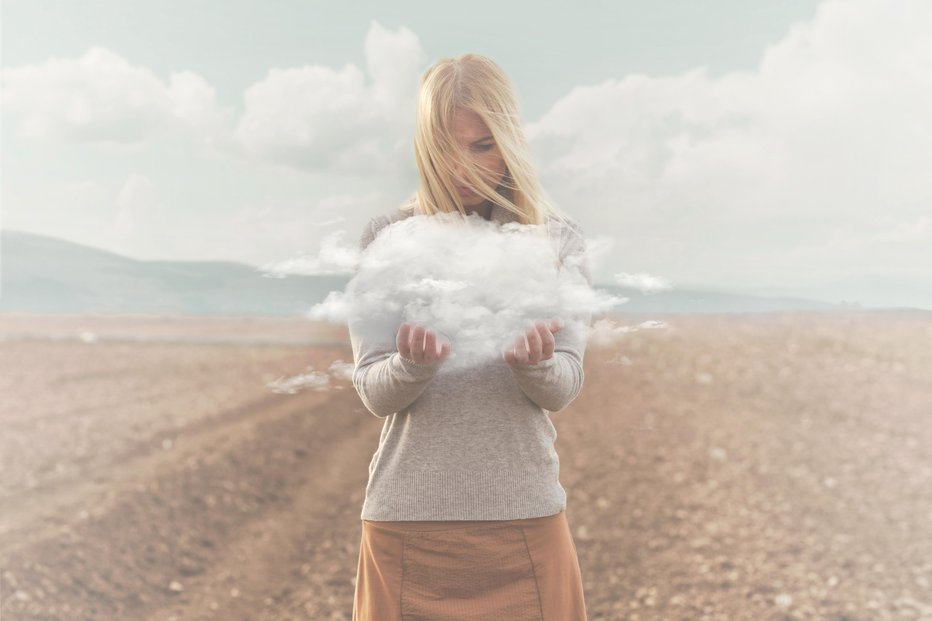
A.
x: 417, y: 344
x: 538, y: 346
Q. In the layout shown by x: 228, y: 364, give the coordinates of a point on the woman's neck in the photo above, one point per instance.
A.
x: 484, y: 209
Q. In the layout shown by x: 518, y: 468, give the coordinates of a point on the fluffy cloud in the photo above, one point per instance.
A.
x: 140, y: 211
x: 318, y: 118
x: 807, y: 169
x: 311, y: 118
x: 102, y: 97
x: 465, y: 297
x: 825, y: 144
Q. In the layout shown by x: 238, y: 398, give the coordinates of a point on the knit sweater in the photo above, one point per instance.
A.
x: 466, y: 444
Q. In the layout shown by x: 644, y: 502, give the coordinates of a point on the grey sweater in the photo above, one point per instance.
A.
x: 466, y: 444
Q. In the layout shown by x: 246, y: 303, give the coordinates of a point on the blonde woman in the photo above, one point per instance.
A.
x: 446, y: 533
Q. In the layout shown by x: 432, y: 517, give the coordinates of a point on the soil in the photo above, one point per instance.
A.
x: 760, y: 467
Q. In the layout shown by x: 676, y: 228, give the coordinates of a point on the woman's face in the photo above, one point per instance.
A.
x: 476, y: 139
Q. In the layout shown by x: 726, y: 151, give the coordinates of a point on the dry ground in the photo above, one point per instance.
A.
x: 760, y: 467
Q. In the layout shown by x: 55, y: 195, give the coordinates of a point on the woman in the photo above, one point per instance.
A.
x: 464, y: 516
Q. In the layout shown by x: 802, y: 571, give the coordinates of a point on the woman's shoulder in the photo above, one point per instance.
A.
x: 379, y: 222
x: 566, y: 229
x: 565, y: 222
x: 571, y: 241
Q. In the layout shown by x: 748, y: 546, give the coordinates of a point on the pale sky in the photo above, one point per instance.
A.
x: 777, y: 147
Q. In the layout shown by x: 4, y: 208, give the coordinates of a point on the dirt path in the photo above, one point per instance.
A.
x: 760, y: 468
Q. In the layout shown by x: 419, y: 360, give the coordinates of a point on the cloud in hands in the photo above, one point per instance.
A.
x: 477, y: 284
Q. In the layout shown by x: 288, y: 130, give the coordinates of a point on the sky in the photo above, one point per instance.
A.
x: 771, y: 148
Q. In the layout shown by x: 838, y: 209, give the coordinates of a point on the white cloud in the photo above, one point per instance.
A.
x: 334, y: 257
x: 395, y: 61
x: 318, y: 118
x: 288, y: 226
x: 140, y: 212
x: 643, y: 282
x: 733, y: 172
x: 311, y: 118
x: 808, y: 168
x: 464, y: 297
x: 310, y: 115
x: 102, y: 97
x: 311, y: 380
x: 605, y: 332
x: 85, y: 194
x: 314, y: 380
x: 194, y: 102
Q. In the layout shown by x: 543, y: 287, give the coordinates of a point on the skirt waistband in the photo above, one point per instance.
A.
x: 436, y: 525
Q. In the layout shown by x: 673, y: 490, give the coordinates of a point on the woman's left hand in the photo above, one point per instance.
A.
x: 538, y: 346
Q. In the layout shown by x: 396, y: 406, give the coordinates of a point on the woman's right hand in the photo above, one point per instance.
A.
x: 417, y: 344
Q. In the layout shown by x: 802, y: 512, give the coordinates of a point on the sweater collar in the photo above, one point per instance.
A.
x: 501, y: 215
x: 498, y: 214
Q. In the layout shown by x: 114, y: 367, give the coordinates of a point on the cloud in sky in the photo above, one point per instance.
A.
x: 347, y: 120
x: 101, y: 97
x: 312, y: 118
x: 141, y: 210
x: 809, y: 167
x: 335, y: 256
x: 823, y: 146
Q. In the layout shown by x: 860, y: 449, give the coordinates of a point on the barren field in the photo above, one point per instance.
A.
x: 760, y: 467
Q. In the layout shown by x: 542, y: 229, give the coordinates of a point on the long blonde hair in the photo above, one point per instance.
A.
x: 473, y: 82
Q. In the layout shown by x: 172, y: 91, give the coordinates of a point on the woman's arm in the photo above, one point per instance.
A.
x: 386, y: 382
x: 555, y: 382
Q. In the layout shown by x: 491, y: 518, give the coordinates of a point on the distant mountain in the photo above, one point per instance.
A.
x: 709, y: 301
x: 49, y: 275
x: 44, y: 274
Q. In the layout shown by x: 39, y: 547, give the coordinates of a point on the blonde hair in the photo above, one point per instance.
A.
x: 473, y: 82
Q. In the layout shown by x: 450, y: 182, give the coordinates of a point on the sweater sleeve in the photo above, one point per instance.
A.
x: 386, y: 382
x: 554, y: 383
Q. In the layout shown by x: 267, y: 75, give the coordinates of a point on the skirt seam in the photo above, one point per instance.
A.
x: 401, y: 591
x: 533, y: 571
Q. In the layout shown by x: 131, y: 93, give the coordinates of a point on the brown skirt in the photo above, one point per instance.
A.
x: 520, y: 570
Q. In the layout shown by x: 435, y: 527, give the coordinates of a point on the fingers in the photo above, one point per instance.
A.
x: 445, y: 349
x: 518, y: 352
x: 418, y: 344
x: 401, y: 341
x: 508, y: 354
x: 534, y: 341
x: 423, y: 346
x: 535, y: 345
x: 433, y: 353
x: 547, y: 342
